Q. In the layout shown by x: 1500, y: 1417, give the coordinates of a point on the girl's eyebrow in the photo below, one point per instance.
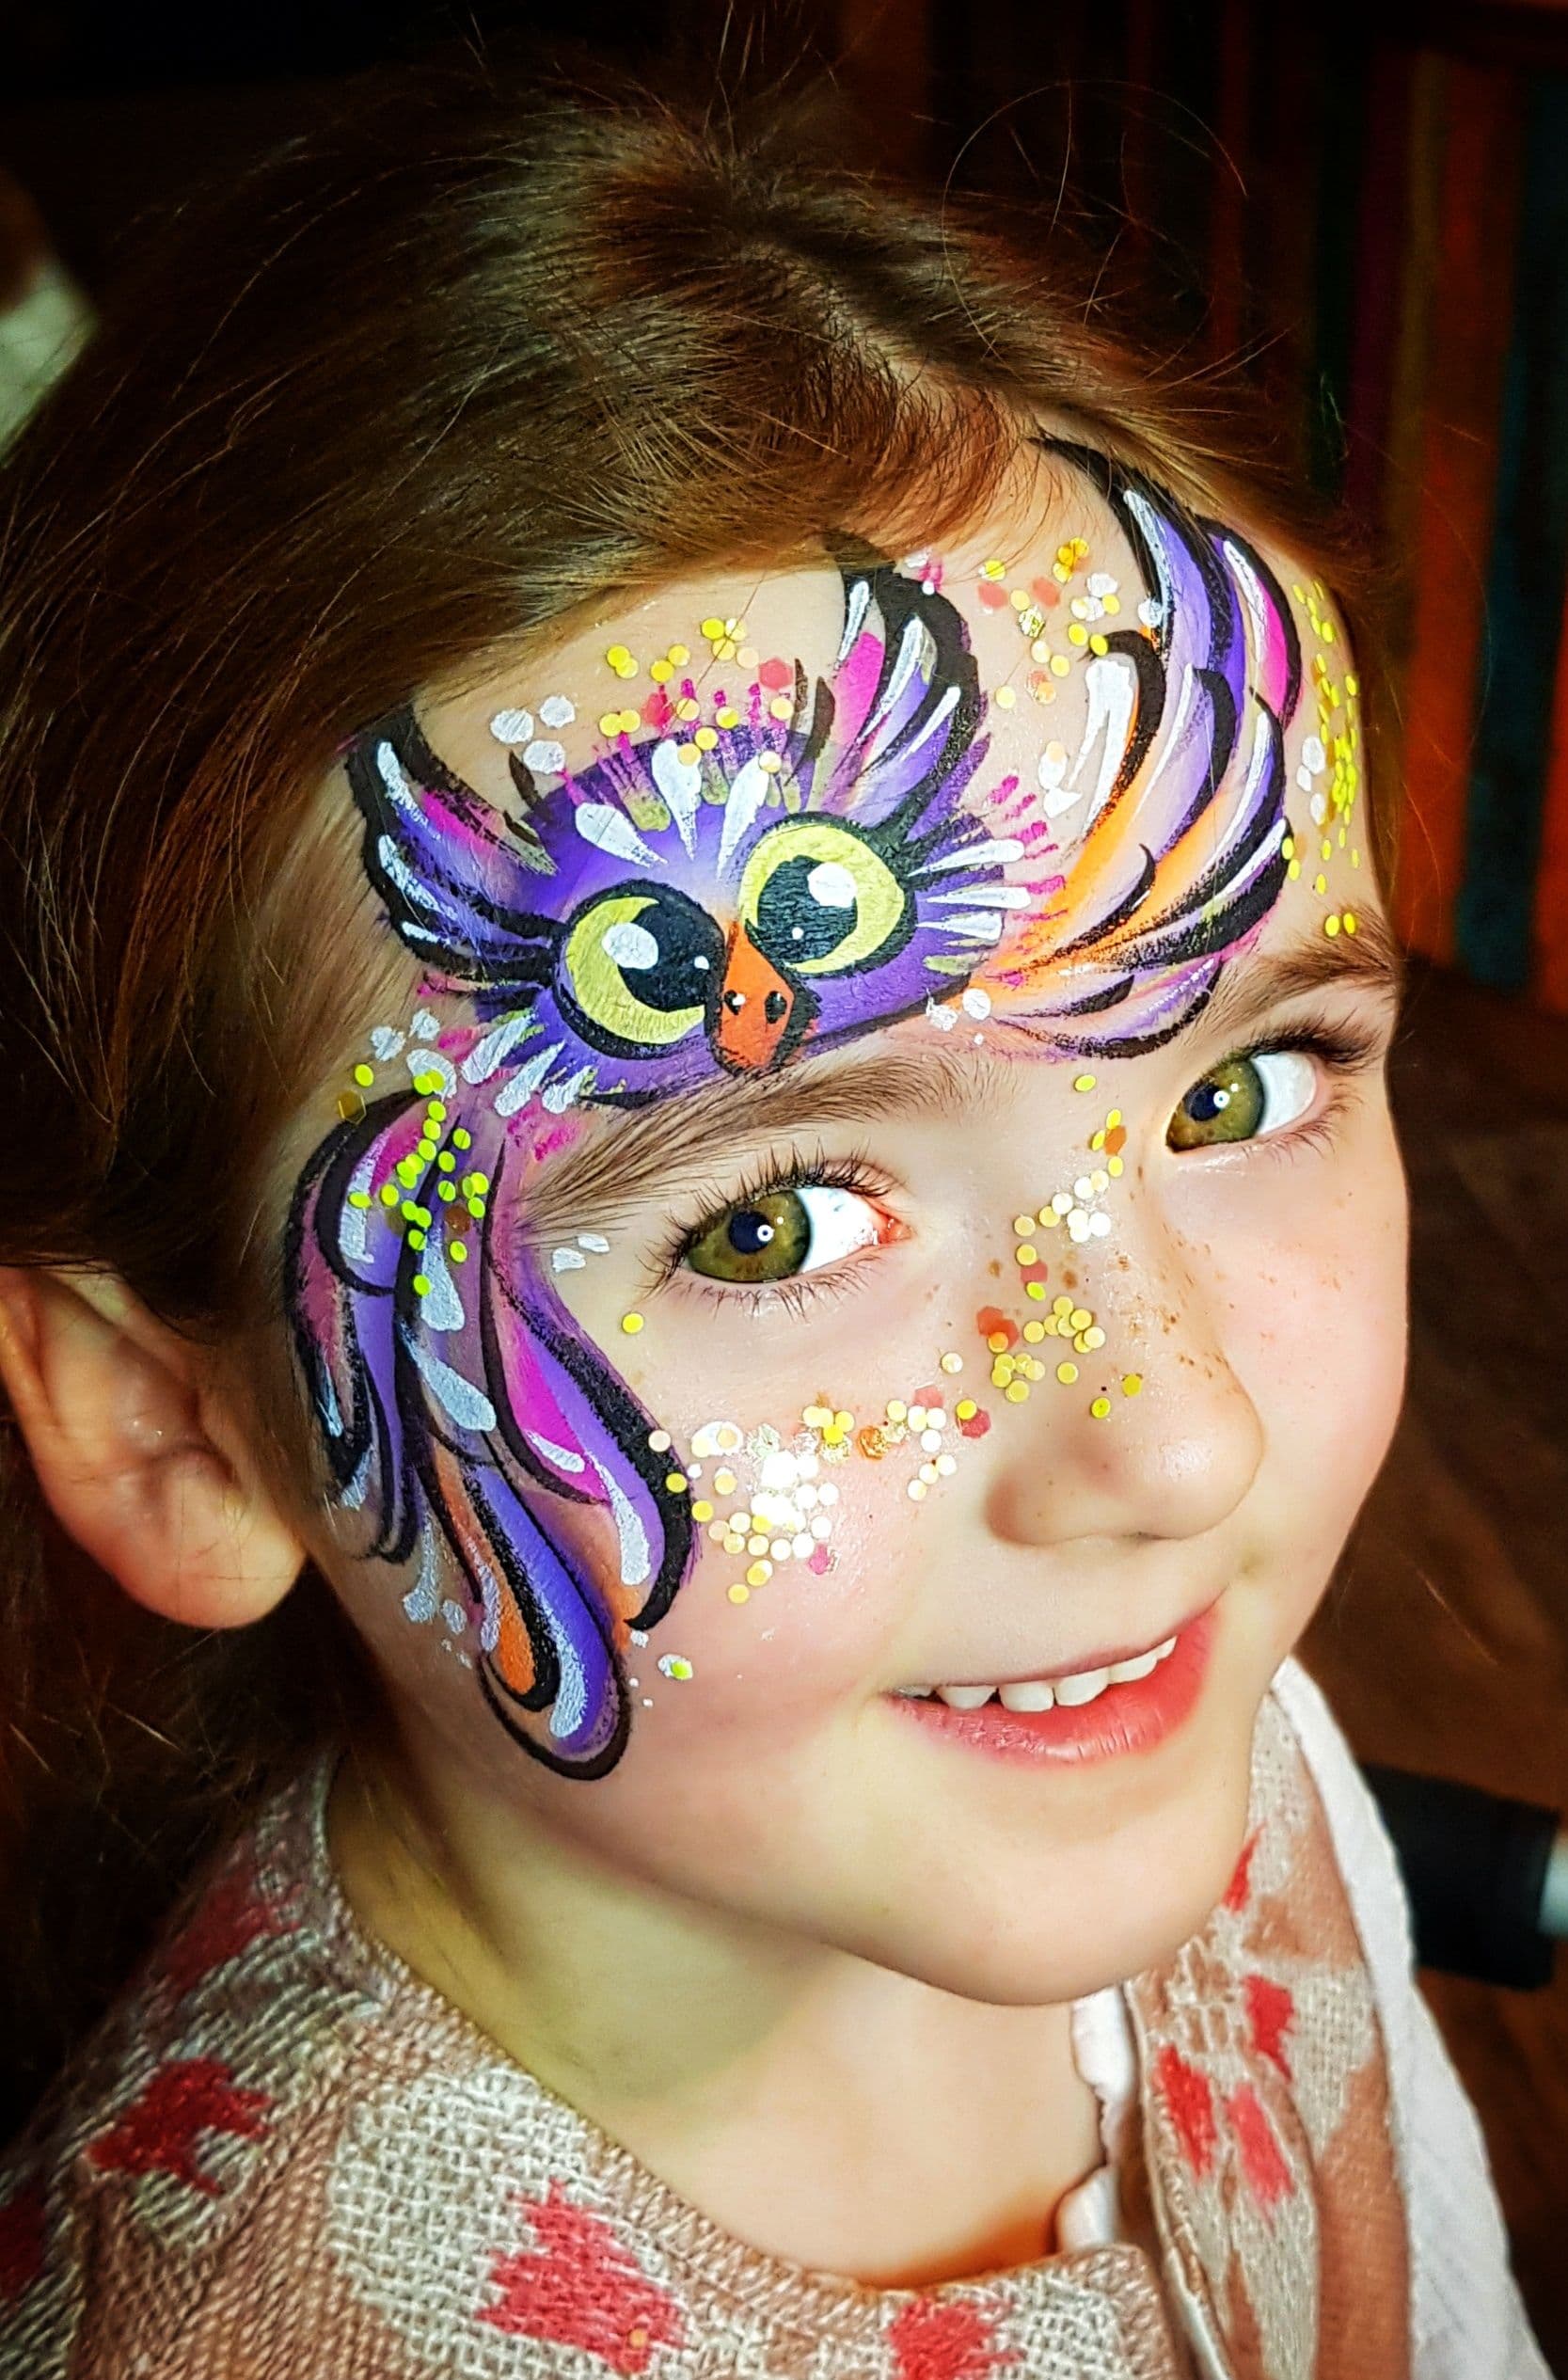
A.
x: 627, y: 1153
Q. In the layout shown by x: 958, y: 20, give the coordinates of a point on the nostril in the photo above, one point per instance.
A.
x: 774, y: 1007
x: 735, y: 1002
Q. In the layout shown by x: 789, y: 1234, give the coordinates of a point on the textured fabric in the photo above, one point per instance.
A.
x: 282, y: 2156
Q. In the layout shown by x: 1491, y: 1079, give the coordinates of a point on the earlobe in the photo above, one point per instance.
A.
x: 135, y: 1454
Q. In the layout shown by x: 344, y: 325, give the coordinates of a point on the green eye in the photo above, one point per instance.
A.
x: 781, y: 1233
x: 1243, y: 1098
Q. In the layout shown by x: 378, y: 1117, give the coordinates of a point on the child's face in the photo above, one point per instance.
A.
x: 931, y: 1093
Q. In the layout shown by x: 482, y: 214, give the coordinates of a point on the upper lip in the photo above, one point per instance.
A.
x: 1082, y: 1662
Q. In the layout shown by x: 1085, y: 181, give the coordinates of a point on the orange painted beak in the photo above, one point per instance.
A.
x: 759, y: 1013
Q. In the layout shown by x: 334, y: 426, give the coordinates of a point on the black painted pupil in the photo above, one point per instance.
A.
x: 1205, y: 1100
x: 678, y: 978
x: 749, y: 1232
x: 791, y: 923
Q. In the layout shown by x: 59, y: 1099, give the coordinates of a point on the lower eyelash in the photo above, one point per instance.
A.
x: 830, y: 1282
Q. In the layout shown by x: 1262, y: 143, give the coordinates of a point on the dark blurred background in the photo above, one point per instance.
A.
x: 1367, y: 210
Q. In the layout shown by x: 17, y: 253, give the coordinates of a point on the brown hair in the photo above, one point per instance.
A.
x: 476, y: 352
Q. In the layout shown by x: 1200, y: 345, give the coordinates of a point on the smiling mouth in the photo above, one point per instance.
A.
x: 1048, y: 1688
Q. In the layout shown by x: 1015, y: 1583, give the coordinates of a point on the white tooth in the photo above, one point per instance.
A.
x: 1168, y: 1646
x: 1139, y: 1666
x: 965, y: 1697
x: 1083, y: 1688
x: 913, y: 1693
x: 1029, y: 1693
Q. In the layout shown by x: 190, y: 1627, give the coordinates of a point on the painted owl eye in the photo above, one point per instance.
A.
x: 637, y: 965
x: 820, y: 901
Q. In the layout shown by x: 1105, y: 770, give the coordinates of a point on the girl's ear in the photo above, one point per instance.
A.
x: 137, y: 1453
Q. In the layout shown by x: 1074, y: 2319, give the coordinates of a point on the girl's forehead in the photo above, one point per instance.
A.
x: 1033, y: 583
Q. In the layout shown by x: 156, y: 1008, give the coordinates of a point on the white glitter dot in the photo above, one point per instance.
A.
x: 946, y: 1466
x: 556, y: 712
x: 801, y: 1545
x: 931, y: 1440
x: 1099, y: 1225
x: 828, y: 1494
x: 915, y: 1490
x: 549, y: 758
x: 512, y: 726
x: 821, y: 1528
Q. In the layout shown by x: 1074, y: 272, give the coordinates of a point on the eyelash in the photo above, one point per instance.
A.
x: 1343, y: 1051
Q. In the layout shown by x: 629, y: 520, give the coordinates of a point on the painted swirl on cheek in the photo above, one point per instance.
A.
x: 813, y: 867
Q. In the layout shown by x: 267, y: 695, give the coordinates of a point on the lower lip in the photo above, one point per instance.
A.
x: 1133, y: 1716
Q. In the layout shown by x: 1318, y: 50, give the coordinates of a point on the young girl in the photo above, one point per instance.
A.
x: 696, y: 990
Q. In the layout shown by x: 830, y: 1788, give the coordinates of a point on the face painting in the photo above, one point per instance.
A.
x: 713, y: 896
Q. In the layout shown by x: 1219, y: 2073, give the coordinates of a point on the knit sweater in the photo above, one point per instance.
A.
x: 282, y: 2156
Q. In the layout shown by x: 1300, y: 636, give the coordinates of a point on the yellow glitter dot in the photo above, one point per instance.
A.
x: 1027, y: 1254
x: 1001, y: 1373
x: 609, y: 723
x: 780, y: 707
x: 896, y: 1409
x: 728, y: 716
x: 759, y: 1574
x: 421, y: 1285
x: 951, y: 1363
x: 618, y: 657
x: 1093, y: 1338
x: 679, y: 654
x: 998, y: 1342
x: 457, y: 1251
x: 739, y: 1593
x: 1084, y: 1081
x: 1006, y: 697
x: 1100, y: 1407
x: 756, y: 1545
x: 1016, y: 1391
x: 1320, y: 883
x: 1099, y: 645
x: 675, y: 1483
x: 712, y: 628
x: 685, y: 707
x: 724, y: 1482
x: 660, y: 672
x: 966, y: 1409
x: 1034, y: 1289
x: 685, y: 753
x: 1348, y: 921
x: 846, y: 1420
x: 1034, y: 1332
x: 1023, y: 1225
x: 1331, y: 927
x: 1132, y: 1383
x: 1080, y: 1317
x: 995, y: 568
x: 1059, y: 665
x: 631, y: 1324
x: 705, y: 738
x: 1067, y: 1373
x: 702, y: 1510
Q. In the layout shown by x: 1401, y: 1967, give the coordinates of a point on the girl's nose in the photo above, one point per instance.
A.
x: 1174, y: 1460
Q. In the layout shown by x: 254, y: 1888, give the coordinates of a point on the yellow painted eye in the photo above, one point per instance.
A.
x: 820, y: 901
x: 637, y: 966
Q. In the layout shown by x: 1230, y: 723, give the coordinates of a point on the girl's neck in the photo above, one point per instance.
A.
x: 828, y: 2112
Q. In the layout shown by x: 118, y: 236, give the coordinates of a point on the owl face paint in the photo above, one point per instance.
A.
x: 832, y: 851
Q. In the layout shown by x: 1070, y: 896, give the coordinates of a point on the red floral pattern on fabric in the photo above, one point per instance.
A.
x: 21, y: 2240
x: 581, y: 2287
x: 1186, y: 2093
x: 1236, y: 1892
x: 932, y: 2340
x: 230, y: 1917
x: 1271, y: 2009
x: 157, y: 2132
x: 1268, y: 2177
